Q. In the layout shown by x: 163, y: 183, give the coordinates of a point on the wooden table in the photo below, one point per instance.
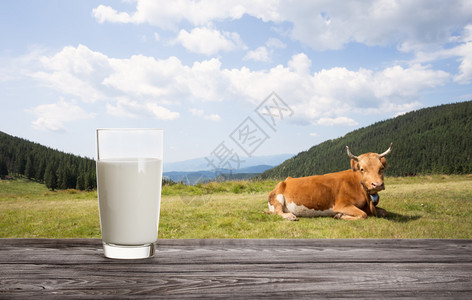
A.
x: 248, y: 269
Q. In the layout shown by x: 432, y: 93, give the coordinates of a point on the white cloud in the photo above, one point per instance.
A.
x: 209, y: 41
x: 336, y: 92
x: 213, y: 117
x: 424, y: 27
x: 263, y: 53
x: 15, y: 68
x: 259, y: 54
x: 398, y: 82
x: 162, y: 113
x: 197, y: 112
x: 142, y: 85
x: 167, y: 81
x: 464, y: 76
x: 107, y: 14
x: 92, y: 76
x: 300, y: 63
x: 169, y: 14
x: 75, y: 71
x: 141, y: 76
x: 125, y: 108
x: 121, y: 109
x: 412, y: 25
x: 275, y: 43
x: 53, y: 116
x: 201, y: 114
x: 462, y: 50
x: 337, y: 121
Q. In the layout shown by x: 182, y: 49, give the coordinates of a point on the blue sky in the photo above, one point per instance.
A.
x: 201, y: 69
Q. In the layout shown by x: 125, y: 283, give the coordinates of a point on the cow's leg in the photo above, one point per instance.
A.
x: 376, y: 211
x: 276, y: 204
x: 349, y: 213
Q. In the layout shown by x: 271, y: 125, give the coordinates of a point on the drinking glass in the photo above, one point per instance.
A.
x: 129, y: 180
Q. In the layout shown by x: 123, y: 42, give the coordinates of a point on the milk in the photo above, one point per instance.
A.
x: 129, y: 192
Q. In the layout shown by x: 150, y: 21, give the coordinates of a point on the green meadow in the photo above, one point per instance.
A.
x: 419, y: 207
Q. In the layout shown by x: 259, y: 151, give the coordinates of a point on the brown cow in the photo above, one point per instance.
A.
x: 347, y: 195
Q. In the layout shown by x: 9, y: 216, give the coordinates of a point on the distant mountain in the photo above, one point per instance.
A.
x: 253, y: 170
x: 194, y: 177
x: 427, y: 141
x: 189, y: 177
x: 199, y: 164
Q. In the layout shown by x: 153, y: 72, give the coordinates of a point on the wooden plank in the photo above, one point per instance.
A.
x: 353, y: 281
x: 240, y: 269
x: 273, y: 251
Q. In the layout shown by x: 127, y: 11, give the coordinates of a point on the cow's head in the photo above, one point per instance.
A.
x: 371, y: 167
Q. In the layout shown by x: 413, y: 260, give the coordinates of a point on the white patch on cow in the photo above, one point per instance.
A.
x: 303, y: 211
x: 271, y: 208
x: 281, y: 199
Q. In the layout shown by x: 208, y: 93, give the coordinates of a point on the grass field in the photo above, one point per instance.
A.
x: 419, y: 207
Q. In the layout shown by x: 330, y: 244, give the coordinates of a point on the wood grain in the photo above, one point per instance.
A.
x: 57, y: 268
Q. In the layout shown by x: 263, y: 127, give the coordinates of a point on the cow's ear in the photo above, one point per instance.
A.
x: 384, y: 162
x: 354, y: 165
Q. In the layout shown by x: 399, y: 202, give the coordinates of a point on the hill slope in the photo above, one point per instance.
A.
x: 431, y: 140
x: 20, y: 157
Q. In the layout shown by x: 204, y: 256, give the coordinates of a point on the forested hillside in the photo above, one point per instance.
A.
x: 427, y: 141
x: 58, y: 170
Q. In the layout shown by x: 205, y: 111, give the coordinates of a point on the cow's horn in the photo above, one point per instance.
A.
x: 350, y: 154
x: 388, y: 151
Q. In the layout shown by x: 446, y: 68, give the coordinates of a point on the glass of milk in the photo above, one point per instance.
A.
x: 129, y: 178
